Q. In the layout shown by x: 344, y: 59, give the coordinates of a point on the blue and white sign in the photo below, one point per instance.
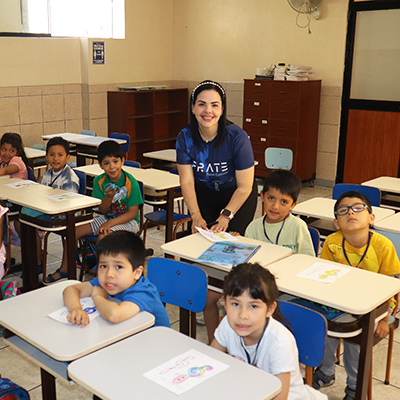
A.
x: 98, y: 52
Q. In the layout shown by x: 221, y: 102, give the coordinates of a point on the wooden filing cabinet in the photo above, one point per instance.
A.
x: 152, y: 119
x: 283, y: 114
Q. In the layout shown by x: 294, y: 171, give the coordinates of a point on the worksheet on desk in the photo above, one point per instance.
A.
x: 324, y: 272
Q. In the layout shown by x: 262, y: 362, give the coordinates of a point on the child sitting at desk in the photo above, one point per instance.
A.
x: 253, y: 331
x: 120, y: 199
x: 13, y: 160
x: 355, y: 245
x: 278, y: 226
x: 59, y: 176
x: 120, y: 260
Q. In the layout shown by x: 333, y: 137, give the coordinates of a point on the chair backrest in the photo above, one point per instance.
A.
x: 372, y: 193
x: 123, y: 136
x: 88, y: 133
x: 278, y: 158
x: 309, y: 328
x: 31, y: 175
x: 82, y: 181
x: 183, y: 285
x: 134, y: 164
x: 314, y: 238
x: 39, y: 146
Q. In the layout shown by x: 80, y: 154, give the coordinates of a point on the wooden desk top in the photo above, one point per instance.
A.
x: 357, y: 292
x: 27, y: 316
x: 152, y: 178
x: 34, y: 153
x: 322, y: 208
x: 385, y: 184
x: 154, y: 347
x: 192, y: 246
x: 163, y: 155
x: 82, y: 139
x: 389, y: 224
x: 36, y: 197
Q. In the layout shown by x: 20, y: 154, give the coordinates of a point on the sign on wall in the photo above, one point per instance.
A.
x: 98, y: 52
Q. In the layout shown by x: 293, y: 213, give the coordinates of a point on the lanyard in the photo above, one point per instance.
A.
x: 279, y: 233
x: 53, y: 180
x: 363, y: 256
x: 249, y: 361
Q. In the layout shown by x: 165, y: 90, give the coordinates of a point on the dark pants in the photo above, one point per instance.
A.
x: 211, y: 203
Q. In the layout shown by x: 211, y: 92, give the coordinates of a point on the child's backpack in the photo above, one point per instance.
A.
x: 11, y: 391
x: 7, y: 289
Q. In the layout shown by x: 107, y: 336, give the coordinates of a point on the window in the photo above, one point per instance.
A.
x: 63, y: 18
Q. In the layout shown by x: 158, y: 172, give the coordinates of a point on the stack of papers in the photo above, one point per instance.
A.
x: 279, y: 73
x: 298, y: 73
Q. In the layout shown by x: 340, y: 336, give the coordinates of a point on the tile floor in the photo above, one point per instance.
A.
x: 19, y: 369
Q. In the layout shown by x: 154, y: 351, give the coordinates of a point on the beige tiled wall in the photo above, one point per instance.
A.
x: 36, y: 110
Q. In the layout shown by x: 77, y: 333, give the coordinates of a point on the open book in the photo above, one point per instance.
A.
x: 228, y: 253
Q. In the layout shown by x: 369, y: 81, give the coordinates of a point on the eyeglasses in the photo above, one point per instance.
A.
x: 357, y: 208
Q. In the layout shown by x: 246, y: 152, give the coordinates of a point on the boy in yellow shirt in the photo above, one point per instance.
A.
x: 355, y: 245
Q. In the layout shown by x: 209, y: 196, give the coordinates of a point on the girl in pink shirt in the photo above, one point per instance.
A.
x: 13, y: 159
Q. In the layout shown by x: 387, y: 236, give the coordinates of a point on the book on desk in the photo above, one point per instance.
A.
x: 228, y: 253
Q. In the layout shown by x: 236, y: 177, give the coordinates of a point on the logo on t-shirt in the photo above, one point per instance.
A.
x: 211, y: 169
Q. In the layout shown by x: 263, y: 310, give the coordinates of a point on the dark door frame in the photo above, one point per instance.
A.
x: 358, y: 104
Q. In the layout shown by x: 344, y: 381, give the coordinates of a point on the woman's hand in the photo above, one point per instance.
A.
x: 198, y: 220
x: 222, y: 224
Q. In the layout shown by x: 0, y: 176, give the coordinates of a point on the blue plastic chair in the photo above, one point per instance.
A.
x: 278, y: 158
x: 314, y: 238
x: 88, y: 133
x: 159, y: 217
x: 133, y: 164
x: 309, y: 328
x: 123, y: 136
x: 372, y: 193
x: 183, y: 285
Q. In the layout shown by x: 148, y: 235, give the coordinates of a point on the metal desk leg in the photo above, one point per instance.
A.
x: 170, y: 215
x: 29, y: 257
x: 71, y: 245
x: 48, y: 385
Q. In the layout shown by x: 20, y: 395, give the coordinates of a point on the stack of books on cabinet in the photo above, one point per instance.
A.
x: 152, y: 119
x: 299, y: 73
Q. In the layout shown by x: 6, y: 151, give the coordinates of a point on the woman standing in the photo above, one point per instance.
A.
x: 216, y: 164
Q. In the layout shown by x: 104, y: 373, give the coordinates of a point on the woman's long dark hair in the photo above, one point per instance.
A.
x: 16, y: 141
x: 258, y: 281
x: 222, y: 123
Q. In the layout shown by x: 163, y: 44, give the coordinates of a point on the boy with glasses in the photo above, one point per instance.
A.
x: 355, y: 245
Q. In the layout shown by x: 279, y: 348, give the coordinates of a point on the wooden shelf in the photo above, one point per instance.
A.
x: 152, y: 118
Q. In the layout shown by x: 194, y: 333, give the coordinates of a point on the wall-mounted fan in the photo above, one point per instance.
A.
x: 307, y: 7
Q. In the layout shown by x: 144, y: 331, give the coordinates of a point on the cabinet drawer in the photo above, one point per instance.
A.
x: 285, y: 91
x: 255, y: 125
x: 255, y: 108
x: 258, y: 90
x: 281, y: 128
x: 283, y: 143
x: 285, y: 111
x: 259, y: 152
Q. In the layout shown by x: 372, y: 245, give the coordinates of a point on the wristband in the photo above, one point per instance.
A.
x: 194, y: 213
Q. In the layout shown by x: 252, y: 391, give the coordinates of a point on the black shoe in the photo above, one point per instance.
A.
x: 320, y: 380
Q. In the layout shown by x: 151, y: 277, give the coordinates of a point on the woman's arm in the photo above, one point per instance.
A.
x: 245, y: 180
x: 186, y: 178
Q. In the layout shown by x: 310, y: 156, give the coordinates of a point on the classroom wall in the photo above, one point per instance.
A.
x: 50, y: 85
x: 227, y: 40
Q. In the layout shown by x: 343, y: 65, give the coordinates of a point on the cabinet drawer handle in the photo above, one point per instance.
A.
x: 256, y: 103
x: 264, y: 121
x: 248, y: 119
x: 257, y: 84
x: 263, y: 139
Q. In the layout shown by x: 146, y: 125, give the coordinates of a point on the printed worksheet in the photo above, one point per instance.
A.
x: 21, y: 184
x: 64, y: 196
x: 323, y: 272
x: 185, y: 371
x: 86, y: 303
x: 217, y: 236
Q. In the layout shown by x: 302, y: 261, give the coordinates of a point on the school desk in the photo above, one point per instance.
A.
x: 50, y: 343
x: 152, y: 348
x: 389, y: 224
x: 37, y: 197
x: 85, y: 146
x: 323, y: 208
x: 162, y: 155
x: 191, y: 247
x: 390, y: 188
x: 358, y: 292
x: 33, y: 155
x: 153, y: 179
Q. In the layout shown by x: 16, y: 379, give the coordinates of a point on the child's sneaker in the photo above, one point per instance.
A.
x: 350, y: 394
x: 320, y: 380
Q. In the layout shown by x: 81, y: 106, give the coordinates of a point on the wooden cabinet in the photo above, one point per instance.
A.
x: 152, y: 119
x: 283, y: 114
